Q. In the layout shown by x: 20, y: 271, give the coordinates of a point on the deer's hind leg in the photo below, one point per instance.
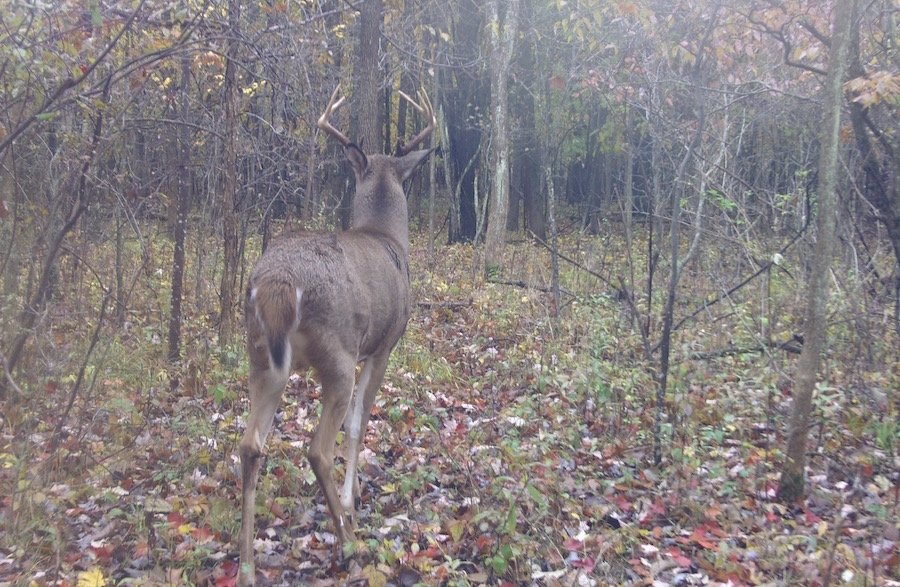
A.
x: 337, y: 389
x: 355, y: 424
x: 266, y: 387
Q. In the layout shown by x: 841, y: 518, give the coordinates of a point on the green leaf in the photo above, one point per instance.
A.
x: 96, y: 17
x: 509, y: 525
x: 536, y: 496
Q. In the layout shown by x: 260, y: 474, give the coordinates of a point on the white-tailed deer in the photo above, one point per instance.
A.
x: 331, y: 301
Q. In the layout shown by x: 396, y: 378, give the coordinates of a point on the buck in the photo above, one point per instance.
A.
x: 331, y: 301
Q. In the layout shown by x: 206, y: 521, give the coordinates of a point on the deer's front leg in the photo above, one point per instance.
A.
x: 337, y: 388
x: 265, y: 394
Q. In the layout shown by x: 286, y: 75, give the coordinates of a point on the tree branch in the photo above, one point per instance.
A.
x: 66, y: 85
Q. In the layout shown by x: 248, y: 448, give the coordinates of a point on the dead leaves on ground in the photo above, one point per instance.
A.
x: 504, y: 449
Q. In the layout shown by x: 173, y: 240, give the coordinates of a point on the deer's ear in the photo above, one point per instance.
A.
x: 357, y: 158
x: 407, y: 164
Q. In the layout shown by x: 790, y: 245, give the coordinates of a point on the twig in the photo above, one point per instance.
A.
x: 526, y: 285
x: 73, y: 393
x: 622, y: 293
x: 449, y: 304
x: 572, y: 261
x: 9, y: 378
x: 750, y: 278
x: 787, y: 346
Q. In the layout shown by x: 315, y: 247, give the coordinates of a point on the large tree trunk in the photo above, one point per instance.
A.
x: 464, y: 104
x: 532, y: 195
x: 502, y: 39
x: 366, y: 127
x: 229, y: 181
x: 792, y: 485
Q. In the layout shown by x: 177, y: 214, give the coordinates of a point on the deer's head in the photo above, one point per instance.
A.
x: 380, y: 203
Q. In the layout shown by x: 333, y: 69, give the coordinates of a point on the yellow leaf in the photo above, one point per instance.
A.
x: 185, y: 529
x: 457, y: 527
x: 375, y: 577
x: 389, y: 488
x: 91, y: 578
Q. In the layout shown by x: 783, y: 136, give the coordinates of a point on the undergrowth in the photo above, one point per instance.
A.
x: 511, y: 442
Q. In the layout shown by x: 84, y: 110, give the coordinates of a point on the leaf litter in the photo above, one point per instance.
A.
x: 505, y: 448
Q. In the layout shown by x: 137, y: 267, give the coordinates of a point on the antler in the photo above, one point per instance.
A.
x: 333, y: 104
x: 423, y: 106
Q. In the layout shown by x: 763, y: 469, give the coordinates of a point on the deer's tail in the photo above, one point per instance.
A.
x: 277, y: 306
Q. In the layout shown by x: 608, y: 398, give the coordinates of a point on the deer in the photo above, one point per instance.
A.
x: 331, y: 302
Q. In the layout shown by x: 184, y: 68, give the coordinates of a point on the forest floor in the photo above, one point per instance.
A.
x: 511, y: 445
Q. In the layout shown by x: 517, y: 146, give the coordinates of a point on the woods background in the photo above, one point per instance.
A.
x: 613, y: 255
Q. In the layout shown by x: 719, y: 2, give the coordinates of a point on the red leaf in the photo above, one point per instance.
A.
x: 484, y: 542
x: 678, y: 557
x: 700, y: 537
x: 102, y: 553
x: 202, y: 534
x: 586, y: 563
x: 141, y: 549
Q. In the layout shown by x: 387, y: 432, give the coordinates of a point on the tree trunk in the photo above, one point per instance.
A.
x: 792, y: 485
x: 680, y: 183
x: 465, y: 101
x: 183, y: 196
x: 366, y: 115
x: 515, y: 198
x: 628, y: 189
x: 229, y: 181
x: 532, y: 195
x: 502, y: 40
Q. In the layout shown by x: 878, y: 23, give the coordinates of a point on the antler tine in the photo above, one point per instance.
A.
x: 425, y: 109
x: 333, y: 104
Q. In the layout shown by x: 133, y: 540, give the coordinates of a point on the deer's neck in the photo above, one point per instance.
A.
x: 383, y: 214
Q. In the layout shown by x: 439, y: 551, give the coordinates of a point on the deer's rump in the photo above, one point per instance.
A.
x: 349, y: 290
